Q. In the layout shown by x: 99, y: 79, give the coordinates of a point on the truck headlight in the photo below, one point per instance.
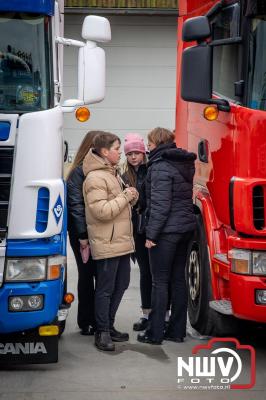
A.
x: 248, y: 262
x: 25, y: 269
x: 16, y: 304
x: 26, y: 303
x: 260, y: 296
x: 259, y: 263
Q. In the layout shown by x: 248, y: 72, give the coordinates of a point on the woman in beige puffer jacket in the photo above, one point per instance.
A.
x: 108, y: 217
x: 108, y: 209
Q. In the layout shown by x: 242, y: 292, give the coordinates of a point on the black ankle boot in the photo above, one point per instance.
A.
x: 87, y: 331
x: 140, y: 325
x: 117, y: 336
x: 103, y: 341
x: 145, y: 338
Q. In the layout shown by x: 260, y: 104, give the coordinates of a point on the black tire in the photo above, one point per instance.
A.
x: 202, y: 318
x: 198, y: 281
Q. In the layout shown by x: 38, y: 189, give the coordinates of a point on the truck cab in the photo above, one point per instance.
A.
x: 33, y: 265
x: 221, y: 117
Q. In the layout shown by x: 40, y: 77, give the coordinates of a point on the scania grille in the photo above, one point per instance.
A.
x: 6, y: 163
x: 258, y: 207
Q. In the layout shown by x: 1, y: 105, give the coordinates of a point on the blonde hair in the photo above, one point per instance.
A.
x: 85, y: 146
x: 161, y: 136
x: 130, y: 172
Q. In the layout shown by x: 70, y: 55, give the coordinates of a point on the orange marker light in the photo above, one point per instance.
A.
x: 69, y: 298
x: 211, y: 113
x: 54, y: 272
x: 83, y: 114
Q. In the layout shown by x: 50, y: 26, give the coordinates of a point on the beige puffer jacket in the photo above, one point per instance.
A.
x: 108, y: 210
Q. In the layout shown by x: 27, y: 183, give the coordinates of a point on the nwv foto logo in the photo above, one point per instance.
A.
x: 217, y: 368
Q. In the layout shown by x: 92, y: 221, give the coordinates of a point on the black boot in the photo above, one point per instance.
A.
x: 87, y: 331
x: 140, y: 325
x: 117, y: 336
x: 145, y: 338
x: 103, y: 341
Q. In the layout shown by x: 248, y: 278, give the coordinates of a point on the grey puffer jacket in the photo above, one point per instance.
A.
x: 169, y: 186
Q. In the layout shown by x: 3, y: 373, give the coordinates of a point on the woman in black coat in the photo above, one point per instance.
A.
x: 170, y: 224
x: 78, y: 236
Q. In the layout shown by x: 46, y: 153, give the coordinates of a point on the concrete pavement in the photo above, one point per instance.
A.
x: 134, y: 371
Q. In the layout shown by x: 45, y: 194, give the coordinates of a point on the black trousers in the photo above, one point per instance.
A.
x: 142, y: 256
x: 86, y: 286
x: 168, y: 261
x: 113, y: 276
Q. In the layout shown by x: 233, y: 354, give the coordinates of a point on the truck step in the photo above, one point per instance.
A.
x: 222, y: 306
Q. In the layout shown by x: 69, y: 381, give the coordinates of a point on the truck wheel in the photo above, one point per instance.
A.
x: 203, y: 318
x: 198, y: 281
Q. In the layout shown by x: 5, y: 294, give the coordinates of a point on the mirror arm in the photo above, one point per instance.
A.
x: 69, y: 42
x: 222, y: 104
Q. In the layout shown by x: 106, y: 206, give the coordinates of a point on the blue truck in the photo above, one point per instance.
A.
x: 34, y: 301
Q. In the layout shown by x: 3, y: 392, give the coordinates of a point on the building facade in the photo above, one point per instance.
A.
x: 141, y: 68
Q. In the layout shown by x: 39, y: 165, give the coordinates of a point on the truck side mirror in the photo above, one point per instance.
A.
x: 197, y: 28
x: 91, y: 73
x: 91, y: 61
x: 96, y: 29
x: 196, y: 81
x: 196, y: 69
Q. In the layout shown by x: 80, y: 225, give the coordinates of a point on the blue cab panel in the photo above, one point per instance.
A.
x: 31, y: 6
x: 56, y: 244
x: 4, y: 130
x: 20, y: 321
x: 36, y: 247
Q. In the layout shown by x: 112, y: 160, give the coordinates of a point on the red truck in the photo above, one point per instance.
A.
x: 221, y: 116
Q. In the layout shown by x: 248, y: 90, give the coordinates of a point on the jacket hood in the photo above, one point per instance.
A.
x: 170, y: 152
x: 181, y: 158
x: 177, y: 154
x: 93, y: 162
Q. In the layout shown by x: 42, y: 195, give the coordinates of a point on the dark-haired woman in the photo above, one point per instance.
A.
x: 78, y: 236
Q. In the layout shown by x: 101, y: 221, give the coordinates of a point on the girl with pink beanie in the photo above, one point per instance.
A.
x: 135, y: 175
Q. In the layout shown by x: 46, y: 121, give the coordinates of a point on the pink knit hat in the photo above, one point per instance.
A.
x: 134, y: 142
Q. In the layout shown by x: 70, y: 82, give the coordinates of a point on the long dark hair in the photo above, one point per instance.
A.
x: 85, y: 146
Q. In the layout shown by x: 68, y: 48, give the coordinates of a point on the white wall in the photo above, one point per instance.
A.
x: 141, y: 77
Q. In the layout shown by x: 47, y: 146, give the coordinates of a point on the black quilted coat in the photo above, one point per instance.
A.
x: 169, y: 191
x: 76, y: 220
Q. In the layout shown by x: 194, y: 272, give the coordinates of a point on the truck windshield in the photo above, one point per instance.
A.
x: 257, y: 64
x: 25, y: 81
